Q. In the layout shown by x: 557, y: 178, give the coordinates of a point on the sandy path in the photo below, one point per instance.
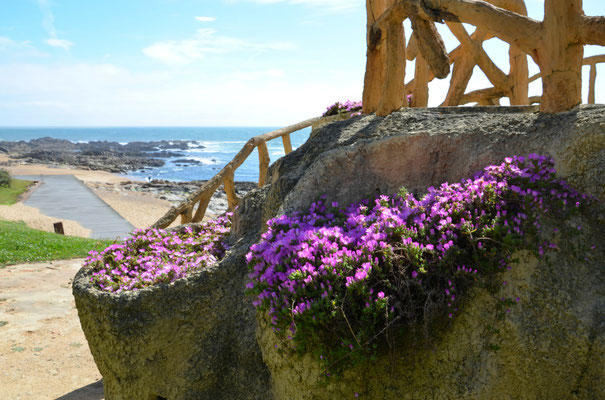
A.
x: 140, y: 209
x: 43, y: 351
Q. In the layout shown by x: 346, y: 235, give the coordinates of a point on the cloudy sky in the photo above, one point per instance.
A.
x: 193, y: 62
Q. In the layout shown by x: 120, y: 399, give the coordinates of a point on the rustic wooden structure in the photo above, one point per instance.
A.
x: 555, y: 44
x: 194, y: 207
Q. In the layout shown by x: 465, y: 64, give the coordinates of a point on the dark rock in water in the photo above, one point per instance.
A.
x: 101, y: 155
x: 188, y: 161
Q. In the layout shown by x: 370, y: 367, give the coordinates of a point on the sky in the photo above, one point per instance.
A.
x: 197, y: 62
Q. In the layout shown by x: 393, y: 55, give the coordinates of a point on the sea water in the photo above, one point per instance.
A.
x: 213, y: 147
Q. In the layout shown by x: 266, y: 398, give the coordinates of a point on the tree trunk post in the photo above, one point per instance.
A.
x: 393, y: 87
x: 559, y: 56
x: 375, y: 57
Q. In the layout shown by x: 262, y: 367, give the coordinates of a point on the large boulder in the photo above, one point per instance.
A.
x: 190, y: 339
x: 551, y: 345
x: 195, y: 338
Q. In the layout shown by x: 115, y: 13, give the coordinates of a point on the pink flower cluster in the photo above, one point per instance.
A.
x: 350, y: 108
x: 155, y: 256
x: 341, y: 275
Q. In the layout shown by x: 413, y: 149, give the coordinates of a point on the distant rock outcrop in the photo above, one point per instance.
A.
x: 96, y: 155
x: 196, y: 338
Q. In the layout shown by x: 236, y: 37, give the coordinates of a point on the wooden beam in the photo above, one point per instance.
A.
x: 592, y: 30
x: 263, y: 163
x: 481, y: 95
x: 392, y: 90
x: 516, y: 29
x: 431, y: 46
x: 202, y: 207
x: 461, y: 75
x: 412, y: 50
x: 594, y: 59
x: 229, y: 185
x: 186, y: 215
x: 428, y: 39
x: 375, y: 57
x: 287, y: 144
x: 491, y: 70
x: 591, y: 84
x: 420, y: 94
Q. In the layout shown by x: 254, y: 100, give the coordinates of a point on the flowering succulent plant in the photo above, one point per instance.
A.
x: 348, y: 108
x: 335, y: 279
x: 155, y: 256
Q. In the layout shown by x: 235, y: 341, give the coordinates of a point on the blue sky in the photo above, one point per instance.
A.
x: 194, y: 62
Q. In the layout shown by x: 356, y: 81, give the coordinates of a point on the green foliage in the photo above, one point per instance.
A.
x: 10, y: 194
x: 5, y: 178
x: 21, y: 244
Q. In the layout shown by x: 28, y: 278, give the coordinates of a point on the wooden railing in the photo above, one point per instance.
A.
x: 194, y: 207
x: 592, y: 61
x: 559, y: 56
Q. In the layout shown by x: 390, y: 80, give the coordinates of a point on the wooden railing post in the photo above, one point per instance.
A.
x: 186, y: 215
x: 202, y: 206
x: 263, y: 163
x: 287, y: 144
x: 591, y: 83
x: 229, y: 184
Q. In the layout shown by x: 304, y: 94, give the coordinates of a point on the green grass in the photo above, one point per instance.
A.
x: 9, y: 195
x: 21, y: 244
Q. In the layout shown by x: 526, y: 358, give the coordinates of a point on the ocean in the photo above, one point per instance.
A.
x: 212, y: 147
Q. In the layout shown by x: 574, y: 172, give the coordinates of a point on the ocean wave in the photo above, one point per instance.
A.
x: 205, y: 160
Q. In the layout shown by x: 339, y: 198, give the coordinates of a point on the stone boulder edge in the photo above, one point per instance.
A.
x: 191, y: 339
x: 418, y: 148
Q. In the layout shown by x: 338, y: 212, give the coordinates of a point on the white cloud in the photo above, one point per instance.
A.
x: 333, y: 5
x: 48, y: 22
x: 54, y: 42
x: 105, y: 94
x: 206, y: 41
x: 205, y: 19
x: 8, y: 43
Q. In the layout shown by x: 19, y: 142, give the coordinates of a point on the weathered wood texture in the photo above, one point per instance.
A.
x: 555, y: 44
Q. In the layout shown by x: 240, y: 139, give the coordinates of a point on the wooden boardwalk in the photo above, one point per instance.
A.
x: 66, y: 197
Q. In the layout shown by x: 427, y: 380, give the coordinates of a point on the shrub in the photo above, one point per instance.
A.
x: 334, y: 280
x: 155, y: 256
x: 5, y: 178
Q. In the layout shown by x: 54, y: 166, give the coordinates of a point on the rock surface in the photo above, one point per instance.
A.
x: 195, y: 338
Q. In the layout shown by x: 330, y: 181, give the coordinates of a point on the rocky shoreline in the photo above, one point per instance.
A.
x: 98, y: 155
x: 114, y: 157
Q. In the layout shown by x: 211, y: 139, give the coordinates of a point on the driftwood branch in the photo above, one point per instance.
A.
x: 516, y: 29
